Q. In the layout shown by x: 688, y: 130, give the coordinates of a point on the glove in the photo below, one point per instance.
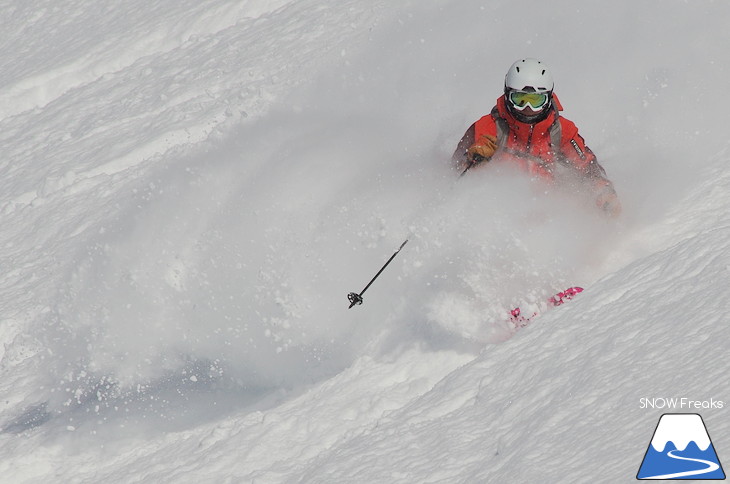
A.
x: 607, y: 200
x: 482, y: 149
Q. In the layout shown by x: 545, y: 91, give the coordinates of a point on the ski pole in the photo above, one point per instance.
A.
x: 477, y: 161
x: 356, y: 298
x: 466, y: 169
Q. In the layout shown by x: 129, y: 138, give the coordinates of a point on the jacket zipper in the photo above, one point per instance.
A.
x: 529, y: 139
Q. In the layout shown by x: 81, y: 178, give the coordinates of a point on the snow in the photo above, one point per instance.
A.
x: 191, y: 188
x: 681, y: 430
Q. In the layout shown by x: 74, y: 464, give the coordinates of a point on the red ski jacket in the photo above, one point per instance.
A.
x: 538, y: 147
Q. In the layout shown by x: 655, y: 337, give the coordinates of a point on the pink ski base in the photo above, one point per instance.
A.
x: 521, y: 321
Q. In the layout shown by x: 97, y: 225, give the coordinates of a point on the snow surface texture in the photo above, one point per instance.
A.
x: 190, y: 189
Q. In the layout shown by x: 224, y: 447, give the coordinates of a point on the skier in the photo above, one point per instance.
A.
x: 526, y: 127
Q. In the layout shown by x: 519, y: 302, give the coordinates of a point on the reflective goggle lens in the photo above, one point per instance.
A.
x: 522, y: 99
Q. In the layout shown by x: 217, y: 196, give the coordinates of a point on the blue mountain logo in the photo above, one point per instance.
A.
x: 681, y: 449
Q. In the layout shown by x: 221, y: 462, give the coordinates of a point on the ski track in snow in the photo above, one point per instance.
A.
x: 190, y: 189
x: 711, y: 467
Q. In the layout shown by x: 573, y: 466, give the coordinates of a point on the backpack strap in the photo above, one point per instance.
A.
x: 556, y: 132
x: 556, y: 139
x: 502, y: 127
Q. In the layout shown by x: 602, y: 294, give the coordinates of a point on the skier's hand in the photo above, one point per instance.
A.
x: 607, y: 200
x: 482, y: 149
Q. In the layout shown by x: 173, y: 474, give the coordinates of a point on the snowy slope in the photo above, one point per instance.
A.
x: 190, y: 189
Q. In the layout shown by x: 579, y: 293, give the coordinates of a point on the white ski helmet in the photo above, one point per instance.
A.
x: 529, y: 75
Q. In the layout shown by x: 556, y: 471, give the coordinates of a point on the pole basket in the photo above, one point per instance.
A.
x: 354, y: 298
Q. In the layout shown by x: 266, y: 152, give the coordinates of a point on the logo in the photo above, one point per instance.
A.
x: 681, y: 449
x: 578, y: 150
x: 683, y: 403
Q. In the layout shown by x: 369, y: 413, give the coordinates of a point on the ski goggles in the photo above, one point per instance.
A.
x: 521, y: 99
